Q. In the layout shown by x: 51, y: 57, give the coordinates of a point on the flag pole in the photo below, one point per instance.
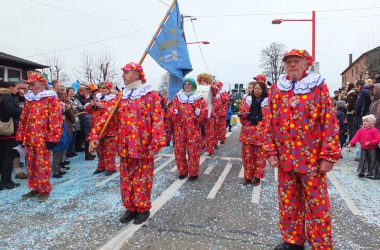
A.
x: 120, y: 96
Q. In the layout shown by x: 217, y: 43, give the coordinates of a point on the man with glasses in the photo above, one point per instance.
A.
x: 303, y: 142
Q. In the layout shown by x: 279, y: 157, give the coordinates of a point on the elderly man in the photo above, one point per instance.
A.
x: 140, y: 135
x: 40, y: 129
x: 303, y: 142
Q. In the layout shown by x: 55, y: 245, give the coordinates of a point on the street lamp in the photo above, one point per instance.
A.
x: 312, y: 20
x: 202, y: 42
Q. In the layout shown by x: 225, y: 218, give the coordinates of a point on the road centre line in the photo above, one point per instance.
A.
x: 220, y: 181
x: 241, y: 173
x: 256, y: 193
x: 164, y: 164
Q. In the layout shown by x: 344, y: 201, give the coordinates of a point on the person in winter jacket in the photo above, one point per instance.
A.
x: 369, y: 138
x: 352, y: 124
x: 374, y: 108
x: 361, y: 106
x: 341, y: 116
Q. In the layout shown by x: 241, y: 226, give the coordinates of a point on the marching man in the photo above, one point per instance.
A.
x: 221, y: 124
x: 39, y: 130
x: 303, y: 142
x: 139, y: 135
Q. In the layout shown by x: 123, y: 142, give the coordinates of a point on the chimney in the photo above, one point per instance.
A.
x: 349, y: 59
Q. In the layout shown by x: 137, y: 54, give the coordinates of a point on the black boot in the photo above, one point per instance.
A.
x: 128, y: 216
x: 88, y: 155
x: 141, y: 217
x: 289, y: 246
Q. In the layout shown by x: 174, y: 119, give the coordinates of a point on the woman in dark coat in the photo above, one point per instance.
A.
x: 9, y: 108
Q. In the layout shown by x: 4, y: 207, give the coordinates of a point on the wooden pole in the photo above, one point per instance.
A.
x: 120, y: 96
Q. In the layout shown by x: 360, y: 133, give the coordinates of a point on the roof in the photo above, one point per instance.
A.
x: 362, y: 55
x: 22, y: 62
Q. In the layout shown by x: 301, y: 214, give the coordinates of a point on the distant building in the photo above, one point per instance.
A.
x: 238, y: 91
x: 14, y: 69
x: 363, y: 67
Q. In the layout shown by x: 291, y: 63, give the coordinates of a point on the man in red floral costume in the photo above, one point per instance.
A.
x: 139, y: 135
x: 221, y: 125
x: 40, y: 129
x: 210, y: 140
x: 303, y: 142
x: 168, y: 124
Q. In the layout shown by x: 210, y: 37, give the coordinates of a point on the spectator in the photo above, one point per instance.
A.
x: 352, y: 124
x: 361, y: 106
x: 228, y: 117
x: 9, y: 111
x: 374, y: 108
x: 341, y: 116
x: 77, y: 107
x: 369, y: 138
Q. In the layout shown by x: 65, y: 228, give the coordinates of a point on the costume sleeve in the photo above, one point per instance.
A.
x: 269, y: 143
x: 202, y: 105
x: 55, y: 120
x: 20, y: 134
x: 157, y: 134
x: 244, y: 108
x: 330, y: 149
x: 171, y: 107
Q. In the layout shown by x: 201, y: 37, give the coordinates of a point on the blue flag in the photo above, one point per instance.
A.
x: 170, y: 51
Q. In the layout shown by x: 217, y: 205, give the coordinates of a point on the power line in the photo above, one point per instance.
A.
x: 86, y: 14
x: 286, y: 13
x: 200, y: 49
x: 90, y: 43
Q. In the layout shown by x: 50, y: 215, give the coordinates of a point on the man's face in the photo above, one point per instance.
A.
x: 36, y: 87
x: 294, y: 67
x: 58, y: 87
x: 22, y: 87
x: 130, y: 76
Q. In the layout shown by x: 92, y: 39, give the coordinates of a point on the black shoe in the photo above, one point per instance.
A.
x: 1, y: 187
x: 57, y: 176
x: 8, y: 185
x: 98, y: 171
x: 289, y: 246
x: 246, y: 182
x: 64, y: 167
x: 128, y: 216
x: 66, y: 163
x: 193, y: 178
x: 90, y: 157
x: 361, y: 175
x: 222, y: 142
x: 62, y: 172
x: 71, y: 154
x: 210, y: 154
x: 110, y: 172
x: 141, y: 217
x: 182, y: 176
x: 216, y: 147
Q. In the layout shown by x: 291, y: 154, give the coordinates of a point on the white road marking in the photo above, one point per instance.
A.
x: 354, y: 209
x: 228, y: 134
x: 241, y: 173
x: 276, y: 174
x: 256, y: 193
x: 164, y: 164
x: 230, y: 158
x: 173, y: 169
x: 220, y: 181
x: 124, y: 235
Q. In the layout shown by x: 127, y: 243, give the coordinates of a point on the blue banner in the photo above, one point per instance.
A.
x: 170, y: 50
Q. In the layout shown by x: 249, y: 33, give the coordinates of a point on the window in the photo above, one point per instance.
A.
x: 2, y: 73
x: 14, y: 75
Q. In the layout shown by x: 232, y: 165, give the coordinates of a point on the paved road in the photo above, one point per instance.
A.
x: 214, y: 212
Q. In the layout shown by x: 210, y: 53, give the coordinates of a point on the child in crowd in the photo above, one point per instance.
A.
x: 368, y: 137
x: 341, y: 116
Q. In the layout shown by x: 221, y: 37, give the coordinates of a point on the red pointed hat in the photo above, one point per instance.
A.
x: 299, y: 53
x: 35, y: 78
x: 135, y: 67
x: 109, y: 85
x: 260, y: 78
x: 219, y: 84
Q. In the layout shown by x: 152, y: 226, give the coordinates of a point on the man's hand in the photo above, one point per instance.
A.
x: 176, y: 111
x: 273, y: 160
x: 197, y: 111
x: 93, y: 145
x: 325, y: 166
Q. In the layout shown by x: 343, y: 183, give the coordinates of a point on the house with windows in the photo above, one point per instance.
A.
x: 15, y: 69
x: 363, y: 67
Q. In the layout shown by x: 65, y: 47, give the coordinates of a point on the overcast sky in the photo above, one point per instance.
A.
x: 237, y: 31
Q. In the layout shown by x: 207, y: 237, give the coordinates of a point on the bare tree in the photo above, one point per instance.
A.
x: 55, y: 67
x: 105, y: 68
x: 164, y: 85
x: 88, y: 66
x: 271, y: 61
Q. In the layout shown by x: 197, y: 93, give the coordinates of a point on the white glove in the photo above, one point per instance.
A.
x: 176, y: 111
x: 197, y: 111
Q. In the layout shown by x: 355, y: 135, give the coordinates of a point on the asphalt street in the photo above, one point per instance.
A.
x: 214, y: 212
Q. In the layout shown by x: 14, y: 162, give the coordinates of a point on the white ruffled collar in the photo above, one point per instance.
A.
x: 136, y: 93
x: 264, y: 103
x: 302, y: 86
x: 46, y: 93
x: 107, y: 98
x: 183, y: 98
